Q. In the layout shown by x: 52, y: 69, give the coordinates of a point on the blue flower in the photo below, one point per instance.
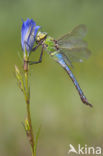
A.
x: 28, y: 34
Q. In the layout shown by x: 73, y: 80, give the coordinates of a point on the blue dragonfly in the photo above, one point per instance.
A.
x: 65, y: 50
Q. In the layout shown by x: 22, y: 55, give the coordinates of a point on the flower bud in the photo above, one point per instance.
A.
x: 28, y: 34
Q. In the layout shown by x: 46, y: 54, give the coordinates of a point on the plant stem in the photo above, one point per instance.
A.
x: 29, y: 132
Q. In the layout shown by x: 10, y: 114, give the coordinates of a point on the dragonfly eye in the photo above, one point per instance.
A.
x: 41, y: 36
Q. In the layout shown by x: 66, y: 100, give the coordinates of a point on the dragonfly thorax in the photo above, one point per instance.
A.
x: 49, y: 44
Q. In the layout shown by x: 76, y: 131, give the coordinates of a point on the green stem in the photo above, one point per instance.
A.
x: 27, y: 99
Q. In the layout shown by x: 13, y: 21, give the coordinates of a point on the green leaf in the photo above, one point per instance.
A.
x: 37, y: 137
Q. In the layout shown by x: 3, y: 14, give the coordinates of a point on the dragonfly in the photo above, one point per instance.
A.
x: 67, y: 49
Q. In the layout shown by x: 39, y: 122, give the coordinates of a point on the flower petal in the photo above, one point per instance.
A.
x: 36, y: 30
x: 28, y: 34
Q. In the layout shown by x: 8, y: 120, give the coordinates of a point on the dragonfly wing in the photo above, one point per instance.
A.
x: 73, y: 46
x: 74, y: 39
x: 76, y: 54
x: 73, y: 43
x: 77, y: 33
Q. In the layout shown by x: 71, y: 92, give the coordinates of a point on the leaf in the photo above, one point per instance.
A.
x: 36, y: 141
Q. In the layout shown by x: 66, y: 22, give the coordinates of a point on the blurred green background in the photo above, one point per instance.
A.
x: 55, y: 104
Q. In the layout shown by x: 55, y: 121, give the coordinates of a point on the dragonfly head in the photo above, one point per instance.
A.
x: 40, y: 36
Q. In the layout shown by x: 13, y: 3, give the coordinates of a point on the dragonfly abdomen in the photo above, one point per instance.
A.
x: 64, y: 65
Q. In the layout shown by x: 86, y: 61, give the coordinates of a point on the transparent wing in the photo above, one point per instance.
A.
x: 72, y: 45
x: 74, y: 39
x: 78, y: 33
x: 75, y: 54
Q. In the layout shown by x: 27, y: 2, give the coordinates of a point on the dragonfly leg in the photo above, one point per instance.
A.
x: 39, y: 44
x: 40, y: 59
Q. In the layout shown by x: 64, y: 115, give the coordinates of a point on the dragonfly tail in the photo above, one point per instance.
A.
x: 83, y: 98
x: 85, y: 101
x: 66, y: 68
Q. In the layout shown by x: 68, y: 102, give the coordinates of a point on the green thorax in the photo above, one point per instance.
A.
x: 50, y: 44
